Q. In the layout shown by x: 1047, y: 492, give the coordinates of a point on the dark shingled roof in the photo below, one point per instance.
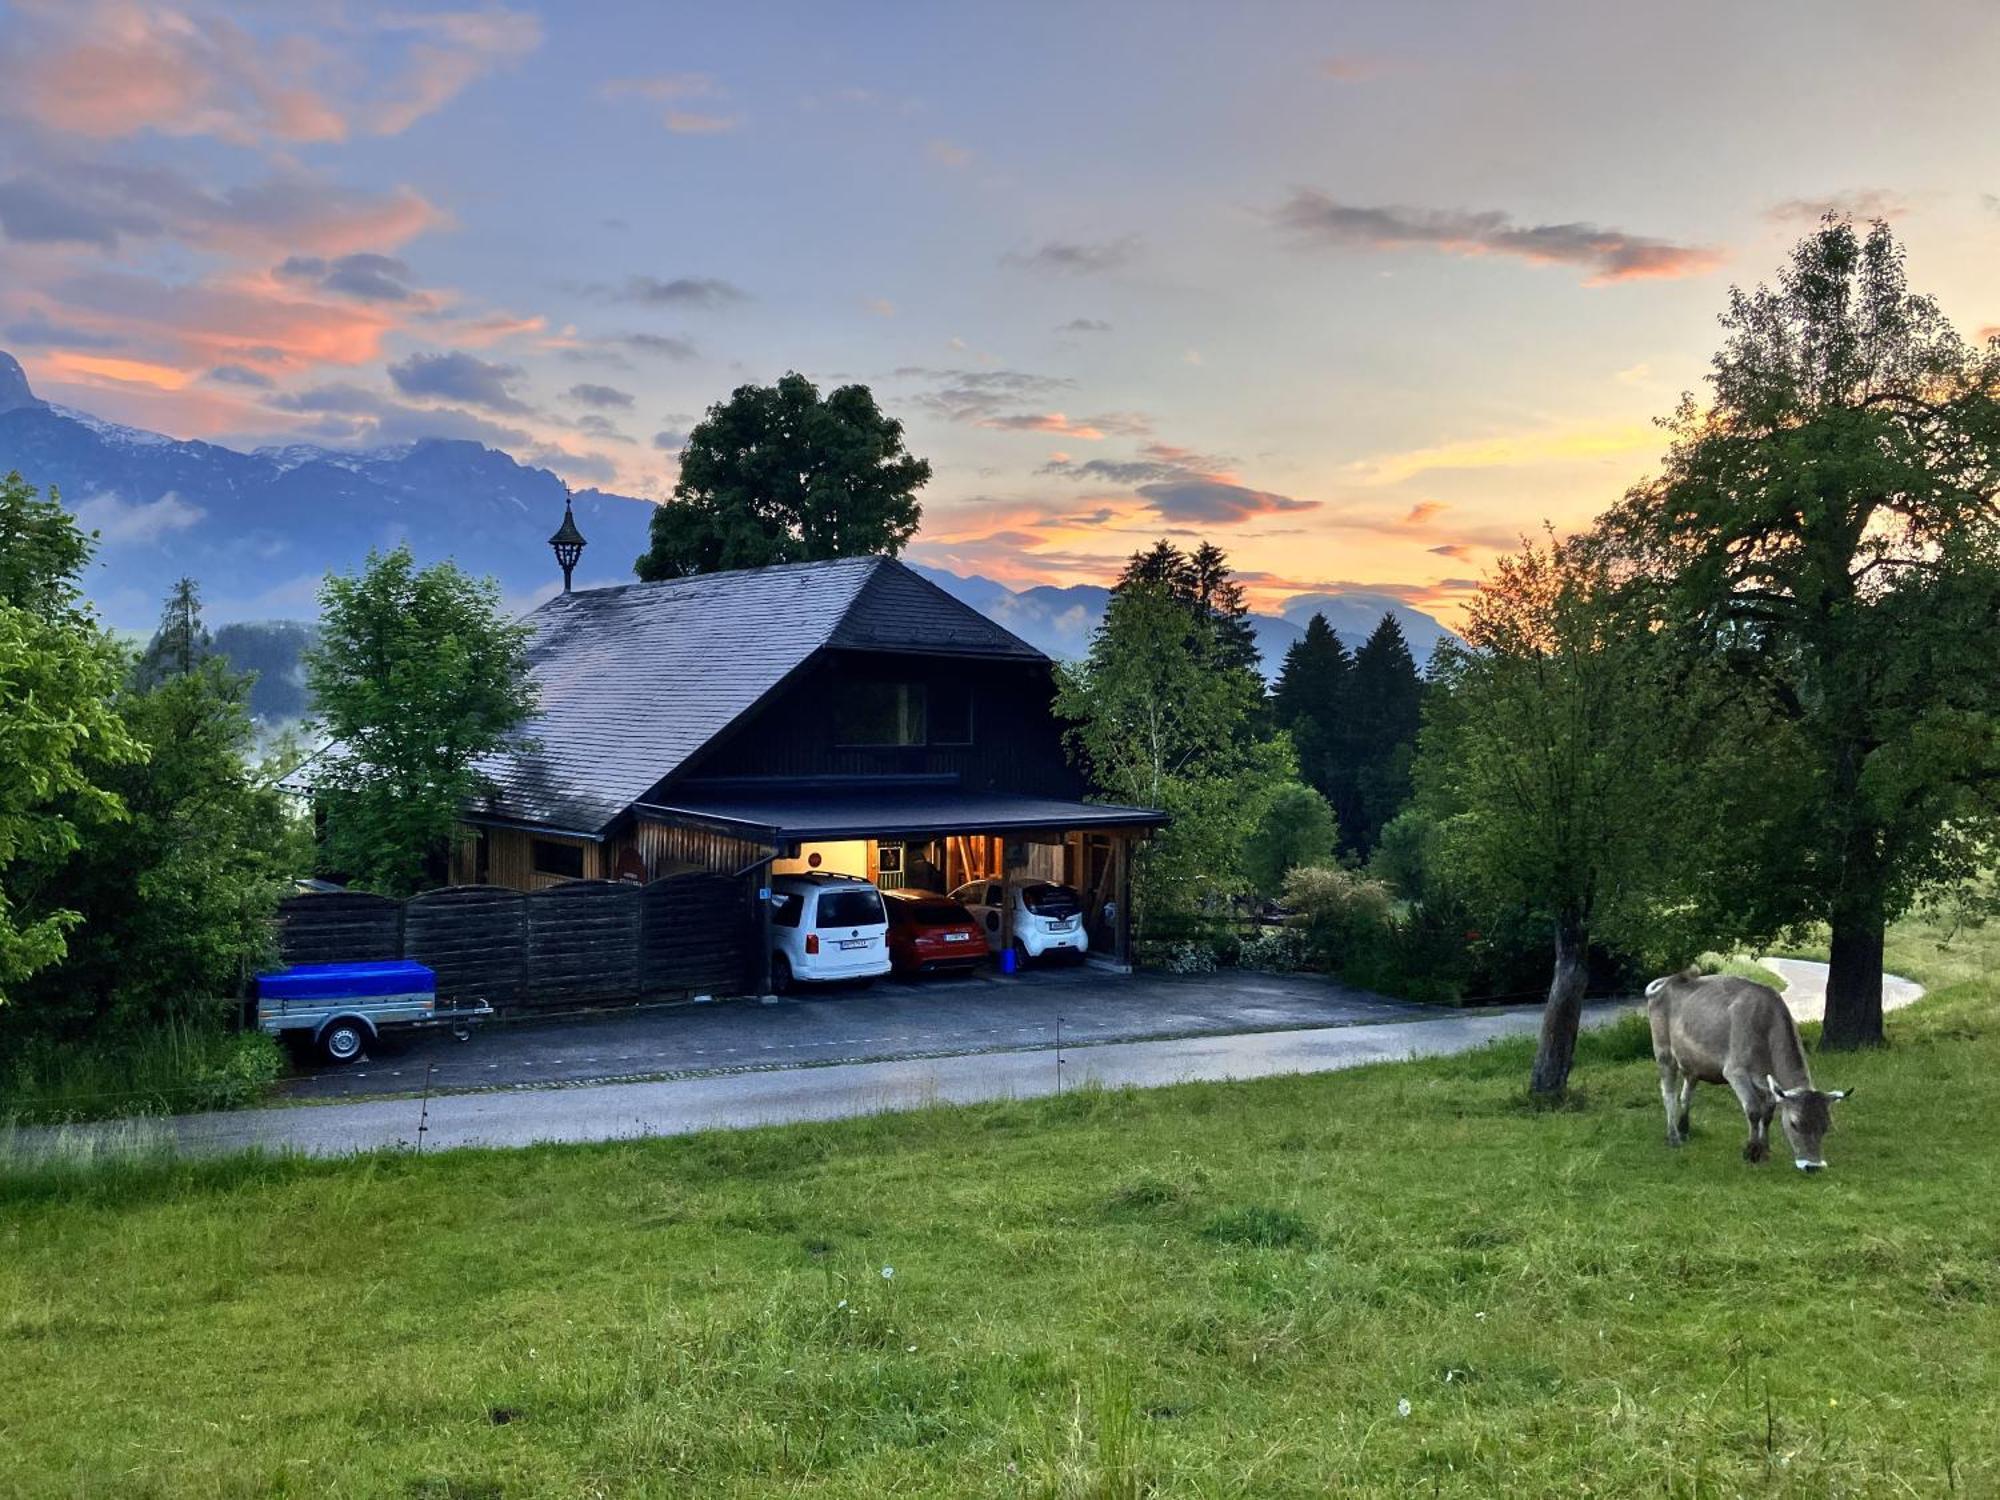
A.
x: 921, y: 810
x: 633, y: 680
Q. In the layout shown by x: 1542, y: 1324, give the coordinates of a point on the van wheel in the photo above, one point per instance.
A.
x: 781, y: 974
x: 343, y: 1041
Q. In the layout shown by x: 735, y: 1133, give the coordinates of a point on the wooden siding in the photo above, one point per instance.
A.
x: 1016, y: 739
x: 509, y: 859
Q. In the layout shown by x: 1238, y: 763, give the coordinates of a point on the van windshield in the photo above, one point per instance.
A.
x: 857, y: 908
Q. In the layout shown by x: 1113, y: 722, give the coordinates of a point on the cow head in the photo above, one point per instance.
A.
x: 1807, y: 1115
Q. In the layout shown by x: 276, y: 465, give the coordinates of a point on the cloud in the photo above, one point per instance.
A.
x: 945, y: 154
x: 697, y: 122
x: 660, y: 344
x: 603, y: 396
x: 1076, y: 258
x: 378, y: 418
x: 673, y: 89
x: 36, y: 331
x: 362, y: 275
x: 101, y: 204
x: 980, y: 396
x: 1089, y: 429
x: 880, y: 307
x: 1510, y: 450
x: 1085, y: 325
x: 599, y: 426
x: 458, y: 376
x: 1424, y: 511
x: 1216, y: 502
x: 1609, y: 255
x: 118, y: 521
x: 1456, y: 551
x: 242, y: 375
x: 681, y: 291
x: 111, y: 68
x: 1355, y: 67
x: 670, y: 442
x: 209, y: 324
x: 1855, y: 203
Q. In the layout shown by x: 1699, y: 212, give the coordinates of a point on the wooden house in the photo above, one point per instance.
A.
x: 845, y: 716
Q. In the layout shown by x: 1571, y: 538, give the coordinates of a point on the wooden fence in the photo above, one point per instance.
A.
x: 586, y: 942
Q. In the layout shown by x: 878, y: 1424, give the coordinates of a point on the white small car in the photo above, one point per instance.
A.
x: 826, y: 928
x: 1048, y: 918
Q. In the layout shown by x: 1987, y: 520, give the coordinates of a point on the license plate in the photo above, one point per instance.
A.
x: 857, y: 942
x: 958, y: 937
x: 1068, y: 924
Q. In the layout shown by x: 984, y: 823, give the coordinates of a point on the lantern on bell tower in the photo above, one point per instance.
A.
x: 568, y: 541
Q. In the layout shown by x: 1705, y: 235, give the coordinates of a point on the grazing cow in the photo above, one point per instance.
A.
x: 1718, y: 1028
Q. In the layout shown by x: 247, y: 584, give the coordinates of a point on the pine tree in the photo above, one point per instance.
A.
x: 1201, y: 581
x: 1310, y: 701
x: 181, y: 643
x: 1385, y: 696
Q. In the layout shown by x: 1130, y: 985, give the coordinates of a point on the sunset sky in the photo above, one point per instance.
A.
x: 1360, y: 291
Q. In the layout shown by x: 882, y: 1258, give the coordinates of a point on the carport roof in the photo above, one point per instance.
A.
x: 793, y: 814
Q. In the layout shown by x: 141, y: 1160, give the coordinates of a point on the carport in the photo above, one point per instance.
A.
x: 923, y: 832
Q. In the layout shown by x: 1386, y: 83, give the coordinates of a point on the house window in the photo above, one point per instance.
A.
x: 550, y: 858
x: 879, y: 713
x: 949, y: 712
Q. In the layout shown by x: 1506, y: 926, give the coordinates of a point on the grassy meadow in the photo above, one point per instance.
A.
x: 1402, y: 1280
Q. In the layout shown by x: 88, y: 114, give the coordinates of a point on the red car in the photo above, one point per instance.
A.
x: 929, y: 933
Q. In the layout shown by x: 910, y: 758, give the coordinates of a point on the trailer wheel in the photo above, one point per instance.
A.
x: 343, y: 1040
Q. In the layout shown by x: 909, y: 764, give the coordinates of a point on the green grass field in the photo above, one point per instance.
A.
x: 1210, y: 1290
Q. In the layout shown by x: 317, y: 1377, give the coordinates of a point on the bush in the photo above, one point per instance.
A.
x: 1187, y: 957
x: 1296, y: 828
x: 1345, y: 916
x: 177, y: 1068
x: 1276, y: 950
x: 1407, y: 857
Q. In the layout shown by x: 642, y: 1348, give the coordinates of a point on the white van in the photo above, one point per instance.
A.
x: 826, y: 928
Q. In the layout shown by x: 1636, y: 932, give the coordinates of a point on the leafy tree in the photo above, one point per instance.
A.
x: 1309, y: 702
x: 1295, y: 828
x: 1826, y: 527
x: 176, y: 895
x: 779, y: 474
x: 1545, y: 757
x: 1201, y: 581
x: 417, y: 674
x: 58, y: 734
x: 1161, y: 715
x: 1385, y: 710
x: 180, y: 642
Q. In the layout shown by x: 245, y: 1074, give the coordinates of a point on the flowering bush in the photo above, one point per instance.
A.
x: 1276, y: 950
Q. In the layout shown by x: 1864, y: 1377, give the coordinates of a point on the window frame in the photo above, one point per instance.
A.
x: 536, y: 846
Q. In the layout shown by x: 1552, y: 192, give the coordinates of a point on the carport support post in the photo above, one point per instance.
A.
x: 1006, y: 899
x: 1123, y: 845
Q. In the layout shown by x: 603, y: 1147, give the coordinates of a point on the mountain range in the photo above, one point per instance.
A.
x: 258, y: 531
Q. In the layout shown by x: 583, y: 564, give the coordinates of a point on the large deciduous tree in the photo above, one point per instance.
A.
x: 1825, y: 525
x: 1548, y: 758
x: 60, y: 738
x: 778, y: 474
x: 417, y: 674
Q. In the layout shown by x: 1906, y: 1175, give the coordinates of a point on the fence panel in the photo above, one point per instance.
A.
x: 583, y: 944
x: 695, y: 935
x: 475, y: 937
x: 330, y: 927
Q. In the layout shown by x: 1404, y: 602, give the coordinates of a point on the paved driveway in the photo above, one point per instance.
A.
x: 892, y: 1019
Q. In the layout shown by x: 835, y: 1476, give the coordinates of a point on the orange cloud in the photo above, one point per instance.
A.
x: 73, y: 365
x: 1513, y: 450
x: 1421, y: 513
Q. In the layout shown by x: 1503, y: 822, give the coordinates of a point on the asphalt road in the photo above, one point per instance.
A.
x: 891, y: 1019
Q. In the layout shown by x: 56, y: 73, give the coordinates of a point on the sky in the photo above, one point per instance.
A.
x: 1362, y: 292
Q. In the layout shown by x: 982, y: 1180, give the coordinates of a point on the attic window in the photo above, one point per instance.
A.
x: 879, y: 713
x: 551, y: 858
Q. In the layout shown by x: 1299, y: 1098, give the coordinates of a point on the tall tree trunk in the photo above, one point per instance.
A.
x: 1563, y: 1012
x: 1854, y: 976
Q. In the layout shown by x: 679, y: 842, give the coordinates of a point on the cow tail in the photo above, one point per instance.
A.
x: 1655, y: 987
x: 1692, y: 971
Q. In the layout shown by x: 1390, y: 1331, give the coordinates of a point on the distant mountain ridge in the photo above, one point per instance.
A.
x: 258, y: 531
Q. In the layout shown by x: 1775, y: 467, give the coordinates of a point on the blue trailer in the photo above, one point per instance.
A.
x: 341, y: 1008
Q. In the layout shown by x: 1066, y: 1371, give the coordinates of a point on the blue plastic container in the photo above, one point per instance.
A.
x: 376, y: 979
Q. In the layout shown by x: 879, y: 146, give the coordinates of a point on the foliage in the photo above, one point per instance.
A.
x: 1295, y: 828
x: 417, y: 674
x: 778, y: 474
x: 1346, y: 916
x: 1825, y: 527
x: 1410, y: 856
x: 1548, y: 760
x: 175, y: 895
x: 59, y: 737
x: 1163, y: 714
x: 1275, y: 950
x: 1569, y: 1307
x: 177, y: 1067
x: 1201, y: 583
x: 1309, y: 702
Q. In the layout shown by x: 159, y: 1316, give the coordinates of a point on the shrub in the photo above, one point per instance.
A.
x: 1276, y: 950
x: 1345, y: 916
x: 1295, y: 828
x: 1188, y: 957
x: 1408, y: 856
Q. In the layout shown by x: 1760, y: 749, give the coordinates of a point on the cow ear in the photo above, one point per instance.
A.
x: 1772, y: 1084
x: 1836, y: 1095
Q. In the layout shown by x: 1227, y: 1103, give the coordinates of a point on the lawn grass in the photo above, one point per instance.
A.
x: 1206, y: 1290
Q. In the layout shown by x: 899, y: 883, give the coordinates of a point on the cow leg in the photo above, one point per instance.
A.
x: 1750, y: 1094
x: 1670, y: 1087
x: 1686, y: 1100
